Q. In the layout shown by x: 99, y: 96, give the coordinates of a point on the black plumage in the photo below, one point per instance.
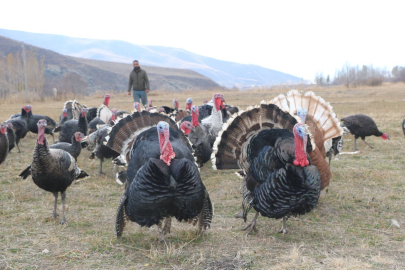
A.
x: 362, y: 126
x: 3, y: 143
x: 33, y: 120
x: 160, y: 185
x: 403, y: 126
x: 262, y: 142
x: 52, y: 170
x: 10, y: 136
x: 74, y: 148
x: 20, y: 126
x: 93, y: 124
x: 70, y: 127
x: 91, y: 114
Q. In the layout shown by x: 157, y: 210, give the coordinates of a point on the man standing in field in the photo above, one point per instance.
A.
x: 138, y: 80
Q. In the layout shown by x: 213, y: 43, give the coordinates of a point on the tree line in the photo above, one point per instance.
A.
x: 14, y: 78
x: 350, y: 75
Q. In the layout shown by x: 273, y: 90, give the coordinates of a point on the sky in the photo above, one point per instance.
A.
x: 301, y: 38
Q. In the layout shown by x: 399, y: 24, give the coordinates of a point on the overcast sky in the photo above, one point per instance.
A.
x: 297, y: 37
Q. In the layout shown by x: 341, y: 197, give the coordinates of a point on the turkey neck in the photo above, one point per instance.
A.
x: 194, y: 119
x: 166, y: 150
x: 24, y: 115
x: 82, y: 124
x: 42, y: 157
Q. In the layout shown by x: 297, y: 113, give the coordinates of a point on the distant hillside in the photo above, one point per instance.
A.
x: 223, y: 72
x: 104, y: 76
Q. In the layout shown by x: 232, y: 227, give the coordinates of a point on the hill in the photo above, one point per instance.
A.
x: 223, y: 72
x: 103, y: 76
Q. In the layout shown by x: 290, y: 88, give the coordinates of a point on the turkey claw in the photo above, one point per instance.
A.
x: 283, y: 231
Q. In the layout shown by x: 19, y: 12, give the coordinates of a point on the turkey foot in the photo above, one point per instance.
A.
x: 284, y: 228
x: 252, y: 225
x: 369, y: 145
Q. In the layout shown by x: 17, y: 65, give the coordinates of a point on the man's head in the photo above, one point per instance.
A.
x: 135, y: 64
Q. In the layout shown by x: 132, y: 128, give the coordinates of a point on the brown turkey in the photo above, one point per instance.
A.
x: 52, y: 170
x: 362, y: 126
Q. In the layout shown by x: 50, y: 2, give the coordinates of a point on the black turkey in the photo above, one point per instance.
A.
x: 52, y: 170
x: 3, y: 143
x: 94, y: 123
x: 91, y: 114
x: 74, y: 148
x: 69, y: 128
x: 33, y: 120
x: 362, y: 126
x: 162, y: 179
x: 10, y: 136
x: 270, y: 147
x: 200, y: 137
x: 20, y: 126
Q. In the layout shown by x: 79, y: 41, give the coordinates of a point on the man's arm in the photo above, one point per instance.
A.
x: 130, y: 83
x: 146, y: 82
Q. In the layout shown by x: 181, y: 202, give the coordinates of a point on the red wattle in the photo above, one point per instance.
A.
x: 166, y: 154
x: 194, y: 120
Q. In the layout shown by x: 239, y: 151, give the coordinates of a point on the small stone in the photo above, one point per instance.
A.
x: 45, y: 251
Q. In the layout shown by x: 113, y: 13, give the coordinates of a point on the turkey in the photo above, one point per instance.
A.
x: 200, y: 137
x: 276, y: 154
x: 94, y: 123
x: 63, y: 118
x: 101, y: 151
x: 162, y: 179
x: 33, y: 120
x: 336, y: 148
x: 362, y: 126
x: 169, y: 110
x: 3, y: 143
x: 10, y: 136
x: 20, y: 126
x: 103, y: 112
x: 214, y: 121
x: 74, y: 148
x: 322, y: 123
x: 73, y: 108
x: 121, y: 113
x: 69, y: 128
x: 52, y: 170
x: 91, y: 114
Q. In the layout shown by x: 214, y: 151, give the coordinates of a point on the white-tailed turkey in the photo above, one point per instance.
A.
x: 3, y: 143
x: 214, y: 121
x: 162, y: 180
x: 362, y: 126
x: 202, y: 139
x: 70, y: 127
x: 274, y: 151
x: 52, y: 170
x: 103, y: 112
x: 321, y: 121
x: 33, y: 120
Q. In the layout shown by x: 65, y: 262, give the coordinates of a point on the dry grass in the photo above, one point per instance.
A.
x: 351, y: 228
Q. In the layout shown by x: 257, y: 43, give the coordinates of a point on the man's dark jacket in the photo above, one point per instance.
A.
x: 139, y: 80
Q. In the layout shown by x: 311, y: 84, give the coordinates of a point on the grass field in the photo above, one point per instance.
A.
x: 351, y: 228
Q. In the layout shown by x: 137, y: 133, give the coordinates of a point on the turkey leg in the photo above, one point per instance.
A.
x: 355, y: 144
x: 284, y: 228
x: 369, y: 145
x: 63, y: 221
x: 55, y: 215
x: 101, y: 167
x: 252, y: 225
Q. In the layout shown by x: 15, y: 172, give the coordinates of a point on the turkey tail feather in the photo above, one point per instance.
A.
x: 122, y: 134
x: 121, y: 217
x: 230, y: 147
